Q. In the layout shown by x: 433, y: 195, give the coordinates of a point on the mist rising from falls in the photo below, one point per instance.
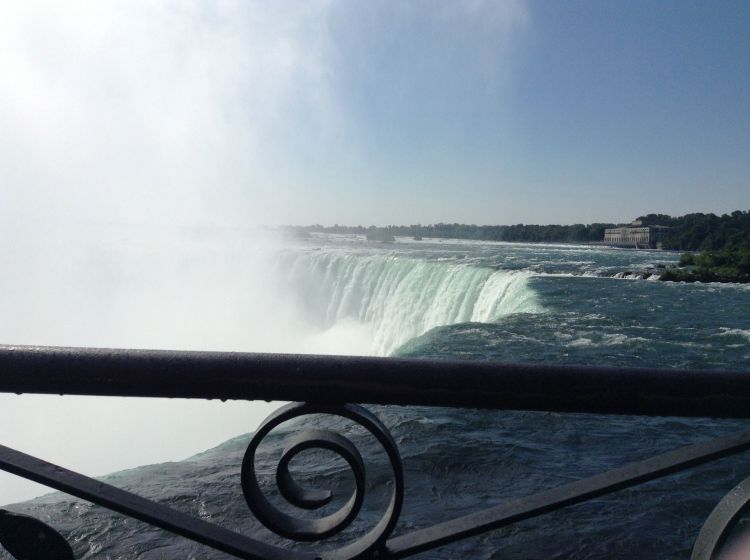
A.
x: 372, y: 304
x: 230, y: 290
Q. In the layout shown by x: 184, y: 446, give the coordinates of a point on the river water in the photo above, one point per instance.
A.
x: 479, y: 301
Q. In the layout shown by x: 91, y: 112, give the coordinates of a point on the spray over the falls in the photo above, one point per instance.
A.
x: 372, y: 304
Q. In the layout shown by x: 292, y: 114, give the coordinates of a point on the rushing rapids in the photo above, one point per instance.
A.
x: 450, y: 299
x: 397, y: 298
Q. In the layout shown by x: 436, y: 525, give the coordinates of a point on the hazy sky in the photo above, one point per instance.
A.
x: 224, y: 112
x: 141, y: 114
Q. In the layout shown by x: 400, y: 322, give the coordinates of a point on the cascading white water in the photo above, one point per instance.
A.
x: 376, y: 303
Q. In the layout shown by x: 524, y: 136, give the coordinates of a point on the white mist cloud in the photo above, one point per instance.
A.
x: 155, y: 112
x: 120, y: 125
x: 123, y: 125
x: 243, y: 112
x: 150, y: 288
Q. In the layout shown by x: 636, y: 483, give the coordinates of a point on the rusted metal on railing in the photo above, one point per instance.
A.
x: 328, y: 385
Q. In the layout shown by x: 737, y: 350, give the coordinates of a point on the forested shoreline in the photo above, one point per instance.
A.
x: 704, y: 232
x: 577, y: 233
x: 692, y: 232
x: 730, y: 264
x: 722, y: 242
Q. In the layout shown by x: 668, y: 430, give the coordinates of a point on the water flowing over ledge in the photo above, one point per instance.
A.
x: 391, y: 299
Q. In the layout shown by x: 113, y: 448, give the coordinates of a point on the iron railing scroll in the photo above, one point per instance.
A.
x: 330, y: 386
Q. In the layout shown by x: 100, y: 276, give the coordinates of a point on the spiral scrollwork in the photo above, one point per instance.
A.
x: 711, y: 541
x: 27, y: 538
x: 303, y: 529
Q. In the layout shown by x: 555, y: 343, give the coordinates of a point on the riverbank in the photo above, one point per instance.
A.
x: 727, y: 265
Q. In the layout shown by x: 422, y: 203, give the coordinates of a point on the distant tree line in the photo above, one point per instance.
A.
x: 577, y: 233
x: 730, y: 264
x: 692, y: 232
x: 704, y: 232
x: 723, y: 242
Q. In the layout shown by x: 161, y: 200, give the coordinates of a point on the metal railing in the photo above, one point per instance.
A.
x: 331, y: 385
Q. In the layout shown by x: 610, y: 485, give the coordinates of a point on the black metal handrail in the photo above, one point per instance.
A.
x: 329, y: 384
x: 344, y: 379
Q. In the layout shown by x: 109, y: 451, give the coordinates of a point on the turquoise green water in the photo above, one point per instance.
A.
x: 507, y: 302
x: 514, y: 302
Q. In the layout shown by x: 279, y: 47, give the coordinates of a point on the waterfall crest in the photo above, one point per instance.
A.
x: 394, y: 299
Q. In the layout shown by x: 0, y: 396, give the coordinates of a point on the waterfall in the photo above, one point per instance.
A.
x: 391, y: 299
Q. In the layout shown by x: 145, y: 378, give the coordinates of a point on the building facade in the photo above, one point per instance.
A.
x: 638, y: 237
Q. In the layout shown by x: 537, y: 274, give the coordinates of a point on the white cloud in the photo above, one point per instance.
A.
x: 152, y: 111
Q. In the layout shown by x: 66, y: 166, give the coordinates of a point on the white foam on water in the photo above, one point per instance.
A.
x: 743, y: 333
x: 390, y: 299
x: 619, y: 339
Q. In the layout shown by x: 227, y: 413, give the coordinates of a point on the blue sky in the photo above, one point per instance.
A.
x: 572, y: 111
x: 242, y: 112
x: 374, y: 112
